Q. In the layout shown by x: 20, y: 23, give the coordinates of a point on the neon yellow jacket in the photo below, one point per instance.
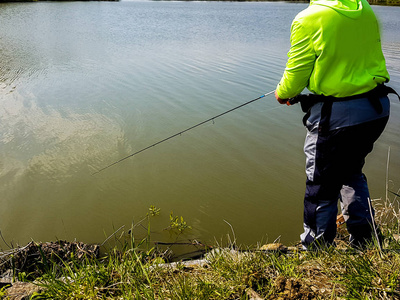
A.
x: 335, y: 50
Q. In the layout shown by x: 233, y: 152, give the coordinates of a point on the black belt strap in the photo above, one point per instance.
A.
x: 308, y: 100
x: 326, y: 112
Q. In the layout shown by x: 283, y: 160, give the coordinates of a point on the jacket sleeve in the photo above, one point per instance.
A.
x: 300, y: 63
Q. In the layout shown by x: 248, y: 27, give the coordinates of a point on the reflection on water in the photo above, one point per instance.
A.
x: 85, y: 84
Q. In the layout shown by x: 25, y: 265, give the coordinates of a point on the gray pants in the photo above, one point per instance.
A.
x: 335, y: 159
x: 320, y: 217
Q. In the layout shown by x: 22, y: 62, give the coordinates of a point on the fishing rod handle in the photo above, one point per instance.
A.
x: 294, y: 100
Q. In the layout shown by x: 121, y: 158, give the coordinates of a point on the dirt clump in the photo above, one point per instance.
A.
x: 33, y: 259
x: 36, y: 257
x: 292, y: 288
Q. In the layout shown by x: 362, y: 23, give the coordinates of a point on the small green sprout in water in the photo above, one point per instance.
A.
x: 153, y: 211
x: 178, y: 223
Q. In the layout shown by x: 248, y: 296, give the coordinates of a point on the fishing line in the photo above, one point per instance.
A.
x: 181, y: 132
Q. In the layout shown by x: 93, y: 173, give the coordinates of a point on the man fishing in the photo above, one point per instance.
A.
x: 336, y: 53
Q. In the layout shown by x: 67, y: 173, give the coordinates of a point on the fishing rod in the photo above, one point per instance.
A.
x: 181, y: 132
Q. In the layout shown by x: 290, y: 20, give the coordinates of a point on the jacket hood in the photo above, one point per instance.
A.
x: 349, y: 8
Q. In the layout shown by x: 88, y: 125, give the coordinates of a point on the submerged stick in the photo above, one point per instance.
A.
x: 181, y: 132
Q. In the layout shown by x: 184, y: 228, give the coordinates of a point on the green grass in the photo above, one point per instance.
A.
x: 229, y: 275
x: 136, y: 271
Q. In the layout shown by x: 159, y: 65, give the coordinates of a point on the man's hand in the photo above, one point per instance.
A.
x: 281, y: 101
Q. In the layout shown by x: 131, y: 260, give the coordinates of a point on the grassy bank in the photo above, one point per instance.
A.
x: 230, y: 274
x: 374, y: 2
x: 139, y: 270
x: 385, y: 2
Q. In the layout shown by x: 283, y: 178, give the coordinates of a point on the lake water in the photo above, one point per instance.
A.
x: 83, y: 84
